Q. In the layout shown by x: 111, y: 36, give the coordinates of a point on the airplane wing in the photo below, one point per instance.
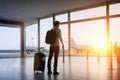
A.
x: 81, y: 48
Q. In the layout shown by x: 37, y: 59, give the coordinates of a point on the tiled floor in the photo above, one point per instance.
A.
x: 74, y: 68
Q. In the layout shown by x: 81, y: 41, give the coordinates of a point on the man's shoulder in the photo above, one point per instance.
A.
x: 59, y: 31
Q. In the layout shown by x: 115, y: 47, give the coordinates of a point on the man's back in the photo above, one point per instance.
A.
x: 58, y: 35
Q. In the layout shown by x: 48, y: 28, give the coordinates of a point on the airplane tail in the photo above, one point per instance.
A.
x: 72, y: 42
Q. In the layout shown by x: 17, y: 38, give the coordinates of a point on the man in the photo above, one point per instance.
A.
x: 115, y: 47
x: 54, y: 49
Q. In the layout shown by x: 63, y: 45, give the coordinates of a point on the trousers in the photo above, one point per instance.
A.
x: 53, y: 50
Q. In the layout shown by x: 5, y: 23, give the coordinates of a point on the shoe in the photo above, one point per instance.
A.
x: 56, y: 73
x: 49, y: 72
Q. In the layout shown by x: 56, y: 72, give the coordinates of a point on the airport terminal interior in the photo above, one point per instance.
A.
x: 90, y: 30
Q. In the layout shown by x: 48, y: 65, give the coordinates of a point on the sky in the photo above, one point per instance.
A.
x: 9, y: 38
x: 89, y: 32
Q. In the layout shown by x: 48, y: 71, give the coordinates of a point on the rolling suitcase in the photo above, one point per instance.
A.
x: 39, y: 62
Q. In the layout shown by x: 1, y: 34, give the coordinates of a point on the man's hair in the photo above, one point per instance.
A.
x: 56, y: 23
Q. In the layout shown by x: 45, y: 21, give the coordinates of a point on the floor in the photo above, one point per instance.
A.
x: 74, y: 68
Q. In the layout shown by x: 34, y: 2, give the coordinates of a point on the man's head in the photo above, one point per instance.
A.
x: 56, y: 24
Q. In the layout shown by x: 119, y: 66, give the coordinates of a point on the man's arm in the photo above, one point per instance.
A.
x: 61, y: 40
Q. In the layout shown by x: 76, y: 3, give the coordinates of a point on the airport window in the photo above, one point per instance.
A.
x: 88, y: 13
x: 10, y: 40
x: 89, y: 33
x: 64, y: 32
x: 62, y: 17
x: 32, y: 37
x: 115, y: 30
x: 45, y: 25
x: 115, y: 9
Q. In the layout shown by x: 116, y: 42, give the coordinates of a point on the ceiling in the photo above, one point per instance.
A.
x: 28, y: 11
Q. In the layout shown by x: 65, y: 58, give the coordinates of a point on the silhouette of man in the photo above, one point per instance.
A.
x: 115, y: 47
x: 118, y: 56
x: 117, y: 52
x: 54, y: 49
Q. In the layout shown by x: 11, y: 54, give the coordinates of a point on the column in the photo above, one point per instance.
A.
x: 22, y: 50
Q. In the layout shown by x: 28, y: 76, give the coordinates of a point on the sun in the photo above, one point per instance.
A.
x: 100, y: 43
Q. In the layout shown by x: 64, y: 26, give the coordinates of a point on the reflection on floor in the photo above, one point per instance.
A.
x: 74, y: 68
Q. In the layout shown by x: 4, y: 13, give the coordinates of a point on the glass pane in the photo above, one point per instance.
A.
x: 115, y: 30
x: 9, y: 42
x: 64, y: 32
x: 32, y: 38
x: 89, y: 13
x: 62, y: 17
x: 45, y: 25
x: 115, y: 9
x: 85, y: 35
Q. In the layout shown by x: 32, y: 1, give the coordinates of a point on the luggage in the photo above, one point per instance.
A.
x: 39, y: 62
x: 50, y: 36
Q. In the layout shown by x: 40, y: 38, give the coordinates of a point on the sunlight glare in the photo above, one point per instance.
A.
x: 100, y: 43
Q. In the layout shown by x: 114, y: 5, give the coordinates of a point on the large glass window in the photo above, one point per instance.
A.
x: 115, y: 30
x: 45, y: 25
x: 89, y: 13
x: 32, y: 37
x: 91, y: 33
x: 115, y: 9
x: 62, y: 17
x: 9, y: 41
x: 8, y: 37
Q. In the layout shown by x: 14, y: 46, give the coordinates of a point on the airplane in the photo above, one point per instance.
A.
x: 83, y: 48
